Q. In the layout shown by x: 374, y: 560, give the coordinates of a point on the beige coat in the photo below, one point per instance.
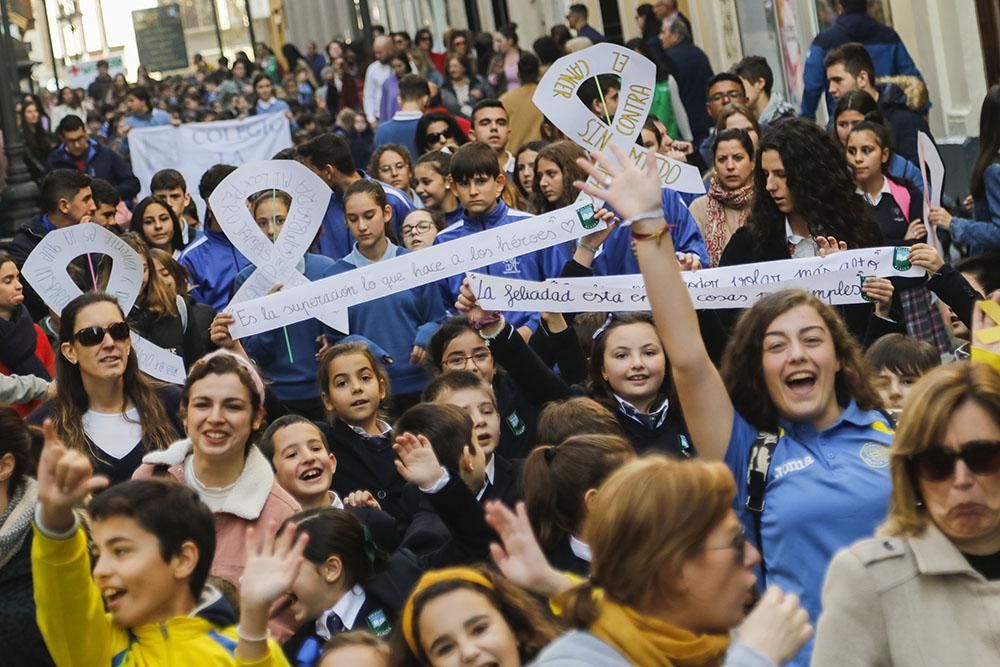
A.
x: 907, y: 602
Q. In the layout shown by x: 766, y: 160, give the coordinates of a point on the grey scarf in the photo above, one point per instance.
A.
x: 15, y: 521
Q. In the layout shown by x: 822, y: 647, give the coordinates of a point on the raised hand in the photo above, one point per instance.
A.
x: 939, y: 217
x: 272, y: 563
x: 361, y: 499
x: 520, y: 557
x: 416, y: 462
x: 627, y: 188
x: 219, y: 330
x: 65, y: 478
x: 777, y: 627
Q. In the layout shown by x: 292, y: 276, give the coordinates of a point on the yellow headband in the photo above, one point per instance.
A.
x: 426, y: 581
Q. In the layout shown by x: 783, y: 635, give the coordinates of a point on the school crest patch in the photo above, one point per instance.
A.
x: 875, y: 455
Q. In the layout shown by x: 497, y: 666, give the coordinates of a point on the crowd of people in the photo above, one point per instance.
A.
x: 790, y: 483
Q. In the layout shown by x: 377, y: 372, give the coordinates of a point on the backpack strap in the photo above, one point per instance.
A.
x: 760, y: 462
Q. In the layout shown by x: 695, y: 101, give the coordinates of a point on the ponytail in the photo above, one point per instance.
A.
x: 556, y: 478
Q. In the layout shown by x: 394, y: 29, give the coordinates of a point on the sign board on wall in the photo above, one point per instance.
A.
x: 159, y: 37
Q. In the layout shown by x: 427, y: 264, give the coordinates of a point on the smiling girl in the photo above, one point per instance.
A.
x: 433, y: 185
x: 402, y: 322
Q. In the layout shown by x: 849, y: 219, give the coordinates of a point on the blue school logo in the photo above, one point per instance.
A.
x: 512, y: 265
x: 515, y: 423
x: 875, y: 455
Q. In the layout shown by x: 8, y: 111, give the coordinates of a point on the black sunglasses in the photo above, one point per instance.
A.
x: 92, y: 336
x: 936, y: 464
x: 434, y: 137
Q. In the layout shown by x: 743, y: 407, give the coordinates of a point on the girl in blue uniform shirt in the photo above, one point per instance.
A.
x: 791, y: 370
x: 432, y: 174
x: 287, y: 355
x: 401, y: 323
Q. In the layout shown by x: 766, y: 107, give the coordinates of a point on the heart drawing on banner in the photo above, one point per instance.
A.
x: 45, y: 269
x: 557, y: 98
x: 275, y: 260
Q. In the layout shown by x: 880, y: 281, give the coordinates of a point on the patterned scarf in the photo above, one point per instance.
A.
x: 716, y: 231
x: 15, y: 521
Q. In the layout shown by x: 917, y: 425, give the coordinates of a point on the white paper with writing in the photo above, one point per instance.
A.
x: 45, y: 270
x: 276, y: 260
x: 835, y: 279
x: 556, y: 97
x: 404, y: 272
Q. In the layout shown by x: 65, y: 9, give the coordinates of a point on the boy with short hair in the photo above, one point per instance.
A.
x: 169, y: 185
x: 153, y: 542
x: 106, y: 200
x: 897, y: 361
x: 478, y: 182
x: 468, y: 391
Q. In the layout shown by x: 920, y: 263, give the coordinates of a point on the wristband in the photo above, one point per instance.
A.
x: 581, y: 244
x: 655, y: 236
x: 251, y: 638
x: 647, y: 215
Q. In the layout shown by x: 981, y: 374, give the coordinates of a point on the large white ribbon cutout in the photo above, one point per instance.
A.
x: 275, y: 261
x: 45, y: 270
x: 556, y: 97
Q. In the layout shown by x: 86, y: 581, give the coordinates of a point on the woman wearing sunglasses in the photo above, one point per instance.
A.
x: 104, y: 405
x: 926, y: 590
x: 436, y: 130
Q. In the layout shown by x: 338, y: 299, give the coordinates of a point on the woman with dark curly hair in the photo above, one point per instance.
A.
x: 792, y: 412
x: 805, y: 205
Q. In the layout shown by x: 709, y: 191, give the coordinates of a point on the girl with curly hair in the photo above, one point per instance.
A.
x: 805, y: 205
x: 792, y: 412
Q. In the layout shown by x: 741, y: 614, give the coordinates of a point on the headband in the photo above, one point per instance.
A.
x: 426, y: 581
x: 258, y: 383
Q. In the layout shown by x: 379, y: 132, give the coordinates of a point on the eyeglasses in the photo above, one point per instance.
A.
x: 419, y: 228
x: 936, y: 464
x: 392, y: 168
x: 739, y: 544
x: 460, y: 361
x: 92, y: 336
x: 728, y: 97
x: 436, y: 137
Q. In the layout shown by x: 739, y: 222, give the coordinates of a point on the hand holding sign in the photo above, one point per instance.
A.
x: 556, y: 97
x: 275, y: 259
x: 45, y: 270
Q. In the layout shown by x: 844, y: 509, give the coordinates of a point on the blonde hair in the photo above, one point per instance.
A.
x: 662, y: 509
x: 923, y: 424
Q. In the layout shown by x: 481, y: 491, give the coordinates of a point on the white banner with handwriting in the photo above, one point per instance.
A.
x: 835, y: 279
x: 414, y: 269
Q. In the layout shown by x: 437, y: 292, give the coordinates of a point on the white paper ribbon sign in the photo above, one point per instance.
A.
x: 556, y: 97
x: 932, y: 171
x: 275, y: 261
x: 45, y: 271
x: 404, y: 272
x: 835, y: 279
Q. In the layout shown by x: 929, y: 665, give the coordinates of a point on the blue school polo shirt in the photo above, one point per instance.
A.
x: 825, y: 490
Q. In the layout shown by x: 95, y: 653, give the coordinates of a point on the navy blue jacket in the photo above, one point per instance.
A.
x: 905, y: 122
x: 213, y: 262
x: 335, y: 240
x: 692, y: 70
x: 99, y: 162
x: 883, y: 43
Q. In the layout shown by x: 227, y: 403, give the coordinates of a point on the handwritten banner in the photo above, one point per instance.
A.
x: 275, y: 259
x: 556, y: 97
x: 45, y: 270
x: 835, y: 279
x: 389, y: 276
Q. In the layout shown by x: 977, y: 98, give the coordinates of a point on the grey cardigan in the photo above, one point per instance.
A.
x: 578, y: 647
x: 22, y: 388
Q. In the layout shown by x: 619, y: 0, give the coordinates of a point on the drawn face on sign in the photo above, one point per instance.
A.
x: 603, y: 95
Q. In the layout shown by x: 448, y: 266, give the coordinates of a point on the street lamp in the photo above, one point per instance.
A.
x: 21, y: 196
